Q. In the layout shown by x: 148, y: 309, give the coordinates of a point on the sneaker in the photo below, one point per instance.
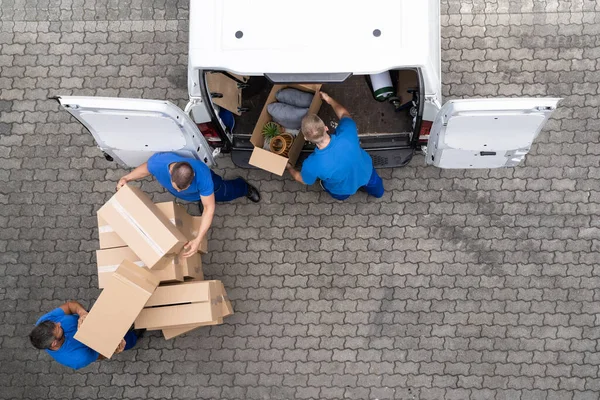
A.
x: 253, y: 193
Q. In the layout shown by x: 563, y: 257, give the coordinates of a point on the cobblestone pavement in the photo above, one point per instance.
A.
x: 454, y: 285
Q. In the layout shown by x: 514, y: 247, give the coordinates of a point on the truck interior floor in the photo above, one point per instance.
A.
x: 371, y: 116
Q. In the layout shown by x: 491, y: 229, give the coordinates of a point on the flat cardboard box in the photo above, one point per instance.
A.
x: 187, y: 224
x: 170, y: 333
x: 125, y: 295
x: 188, y: 303
x: 272, y: 162
x: 109, y: 260
x: 139, y: 222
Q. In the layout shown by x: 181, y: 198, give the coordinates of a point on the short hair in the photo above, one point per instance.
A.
x: 313, y: 128
x: 42, y: 335
x: 182, y: 174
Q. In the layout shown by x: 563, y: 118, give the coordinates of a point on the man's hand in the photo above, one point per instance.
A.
x: 121, y: 183
x: 81, y: 319
x: 191, y: 247
x: 326, y: 98
x: 120, y: 347
x: 289, y: 167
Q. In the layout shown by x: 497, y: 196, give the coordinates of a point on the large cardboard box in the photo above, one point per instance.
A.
x: 187, y: 224
x: 139, y: 222
x: 272, y: 162
x: 124, y: 296
x: 110, y: 259
x: 225, y: 310
x: 177, y: 305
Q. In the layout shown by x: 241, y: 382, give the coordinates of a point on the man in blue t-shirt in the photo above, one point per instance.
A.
x: 54, y: 333
x: 338, y: 161
x: 191, y: 180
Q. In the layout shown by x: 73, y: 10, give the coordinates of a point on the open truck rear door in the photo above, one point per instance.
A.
x: 131, y: 130
x: 486, y: 133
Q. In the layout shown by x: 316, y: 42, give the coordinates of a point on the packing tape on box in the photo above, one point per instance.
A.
x: 108, y: 228
x: 121, y: 210
x: 105, y: 229
x: 113, y: 268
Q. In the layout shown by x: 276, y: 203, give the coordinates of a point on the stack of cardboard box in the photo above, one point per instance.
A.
x: 145, y: 279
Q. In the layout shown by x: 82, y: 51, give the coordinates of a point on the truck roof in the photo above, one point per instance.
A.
x: 313, y: 36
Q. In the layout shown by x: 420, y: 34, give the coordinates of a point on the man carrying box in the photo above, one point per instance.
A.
x: 338, y: 161
x: 54, y: 333
x: 192, y: 180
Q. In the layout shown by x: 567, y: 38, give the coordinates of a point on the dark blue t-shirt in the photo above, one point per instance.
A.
x: 72, y: 353
x: 343, y: 165
x: 202, y: 184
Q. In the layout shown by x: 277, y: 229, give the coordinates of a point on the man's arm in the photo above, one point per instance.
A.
x: 295, y: 173
x: 73, y: 307
x: 208, y: 202
x: 138, y: 173
x: 339, y: 110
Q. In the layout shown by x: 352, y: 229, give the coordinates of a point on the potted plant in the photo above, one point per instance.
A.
x: 271, y: 129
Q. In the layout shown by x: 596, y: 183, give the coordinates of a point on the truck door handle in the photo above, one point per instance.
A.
x: 487, y: 153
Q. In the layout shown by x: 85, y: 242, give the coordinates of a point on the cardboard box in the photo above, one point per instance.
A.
x: 187, y: 224
x: 266, y: 160
x: 110, y: 259
x: 196, y: 221
x: 139, y: 222
x: 107, y: 237
x: 225, y: 310
x: 177, y: 305
x: 191, y: 267
x: 125, y: 295
x: 170, y: 333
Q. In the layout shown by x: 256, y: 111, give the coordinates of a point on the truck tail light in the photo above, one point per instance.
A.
x: 425, y: 130
x: 210, y: 134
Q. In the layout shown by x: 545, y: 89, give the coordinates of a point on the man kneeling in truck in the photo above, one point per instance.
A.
x: 338, y: 161
x: 191, y: 180
x: 54, y: 333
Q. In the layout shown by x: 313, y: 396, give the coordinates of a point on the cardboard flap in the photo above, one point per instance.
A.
x: 268, y: 161
x: 231, y: 94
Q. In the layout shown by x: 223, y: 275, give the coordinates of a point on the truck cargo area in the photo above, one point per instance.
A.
x: 384, y: 132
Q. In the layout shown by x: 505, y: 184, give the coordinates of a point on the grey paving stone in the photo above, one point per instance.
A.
x: 470, y: 284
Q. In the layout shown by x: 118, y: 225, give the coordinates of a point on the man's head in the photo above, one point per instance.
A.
x: 182, y: 175
x: 47, y: 335
x: 314, y: 129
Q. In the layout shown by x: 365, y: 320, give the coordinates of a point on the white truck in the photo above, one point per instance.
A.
x: 238, y: 49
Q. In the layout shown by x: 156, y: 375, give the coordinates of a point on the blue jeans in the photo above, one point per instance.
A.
x: 374, y: 188
x: 227, y: 190
x: 130, y: 339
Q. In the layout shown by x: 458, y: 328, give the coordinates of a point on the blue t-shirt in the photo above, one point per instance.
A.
x: 72, y: 353
x: 202, y: 184
x: 343, y: 165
